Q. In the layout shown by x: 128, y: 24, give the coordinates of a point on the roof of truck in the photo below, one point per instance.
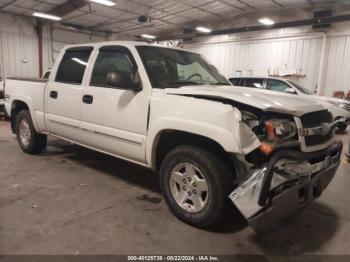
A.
x: 124, y: 43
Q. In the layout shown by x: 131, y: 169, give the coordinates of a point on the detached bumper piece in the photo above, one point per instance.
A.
x: 287, y: 183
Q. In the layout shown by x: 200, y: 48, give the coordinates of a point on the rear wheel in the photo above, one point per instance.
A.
x: 29, y: 140
x: 196, y: 185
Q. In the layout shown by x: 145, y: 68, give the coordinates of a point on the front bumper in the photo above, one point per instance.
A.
x: 267, y: 197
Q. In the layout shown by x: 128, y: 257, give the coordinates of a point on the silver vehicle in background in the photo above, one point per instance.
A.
x: 338, y: 107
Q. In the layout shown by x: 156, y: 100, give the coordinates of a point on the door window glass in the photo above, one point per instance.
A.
x: 110, y: 61
x: 234, y: 81
x: 254, y: 82
x: 277, y: 85
x: 72, y: 67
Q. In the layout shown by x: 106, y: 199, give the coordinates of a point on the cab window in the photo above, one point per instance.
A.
x: 238, y: 81
x: 234, y: 81
x: 73, y: 64
x: 112, y: 59
x: 254, y: 82
x: 277, y: 85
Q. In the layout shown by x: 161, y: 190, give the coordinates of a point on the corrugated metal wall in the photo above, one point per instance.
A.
x: 19, y: 49
x: 261, y: 57
x: 19, y: 55
x: 338, y: 65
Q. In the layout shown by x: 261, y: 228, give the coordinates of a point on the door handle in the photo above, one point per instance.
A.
x: 88, y: 99
x: 54, y: 94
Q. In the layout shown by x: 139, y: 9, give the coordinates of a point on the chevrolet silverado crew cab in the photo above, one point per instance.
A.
x: 340, y: 108
x: 172, y: 111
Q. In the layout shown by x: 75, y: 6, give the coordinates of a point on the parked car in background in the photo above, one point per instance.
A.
x: 169, y: 110
x: 339, y: 108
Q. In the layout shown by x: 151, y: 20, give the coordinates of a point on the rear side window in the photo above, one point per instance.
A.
x: 73, y: 64
x: 254, y: 82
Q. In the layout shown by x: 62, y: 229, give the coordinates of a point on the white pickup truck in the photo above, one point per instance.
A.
x: 172, y: 111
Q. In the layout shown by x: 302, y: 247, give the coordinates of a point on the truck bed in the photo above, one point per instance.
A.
x: 29, y: 90
x: 28, y: 79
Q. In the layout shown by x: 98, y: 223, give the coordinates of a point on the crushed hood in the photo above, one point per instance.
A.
x: 279, y: 102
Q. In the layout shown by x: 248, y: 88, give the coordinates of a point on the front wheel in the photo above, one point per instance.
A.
x: 28, y: 139
x: 196, y: 185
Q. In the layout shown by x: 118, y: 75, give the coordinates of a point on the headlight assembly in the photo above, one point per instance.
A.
x: 280, y: 129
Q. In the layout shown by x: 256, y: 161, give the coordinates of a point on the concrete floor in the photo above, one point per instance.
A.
x: 70, y: 200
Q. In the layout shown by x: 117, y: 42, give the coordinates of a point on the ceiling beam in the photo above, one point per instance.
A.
x: 297, y: 23
x: 199, y: 7
x: 8, y: 4
x: 277, y: 3
x: 232, y: 5
x: 68, y: 7
x: 246, y: 4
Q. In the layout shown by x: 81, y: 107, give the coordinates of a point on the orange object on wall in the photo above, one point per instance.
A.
x: 339, y: 94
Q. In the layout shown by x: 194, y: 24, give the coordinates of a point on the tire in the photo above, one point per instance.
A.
x: 28, y: 139
x: 219, y: 181
x: 342, y: 128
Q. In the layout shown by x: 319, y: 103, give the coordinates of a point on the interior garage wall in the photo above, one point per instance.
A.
x: 261, y: 57
x: 18, y: 47
x: 61, y: 38
x: 337, y: 75
x: 324, y: 58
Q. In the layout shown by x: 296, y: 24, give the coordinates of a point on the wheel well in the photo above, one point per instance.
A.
x: 172, y: 138
x: 17, y: 106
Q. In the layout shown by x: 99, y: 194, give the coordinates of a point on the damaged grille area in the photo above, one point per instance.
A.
x: 316, y: 119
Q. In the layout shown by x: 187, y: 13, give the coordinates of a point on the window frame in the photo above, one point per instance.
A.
x: 111, y: 48
x: 77, y: 49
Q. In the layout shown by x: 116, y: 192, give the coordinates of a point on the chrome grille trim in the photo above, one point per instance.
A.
x: 314, y: 126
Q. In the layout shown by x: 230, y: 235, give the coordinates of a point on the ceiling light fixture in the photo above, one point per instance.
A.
x: 47, y: 16
x: 203, y: 29
x: 148, y: 36
x: 266, y: 21
x: 104, y: 2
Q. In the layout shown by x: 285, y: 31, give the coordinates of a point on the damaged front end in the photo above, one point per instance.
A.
x: 293, y: 172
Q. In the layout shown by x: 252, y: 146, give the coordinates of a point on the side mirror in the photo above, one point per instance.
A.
x: 120, y: 79
x: 290, y: 91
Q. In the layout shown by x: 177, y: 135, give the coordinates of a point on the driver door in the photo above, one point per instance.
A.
x: 114, y: 119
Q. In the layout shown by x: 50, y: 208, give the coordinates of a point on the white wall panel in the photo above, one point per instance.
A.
x: 338, y: 65
x: 263, y: 56
x: 20, y: 55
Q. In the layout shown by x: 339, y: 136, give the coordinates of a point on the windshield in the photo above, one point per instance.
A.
x: 171, y: 68
x: 300, y: 88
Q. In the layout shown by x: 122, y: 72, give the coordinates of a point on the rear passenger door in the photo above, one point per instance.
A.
x: 63, y: 93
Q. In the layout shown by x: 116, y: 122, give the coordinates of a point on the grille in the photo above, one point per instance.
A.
x: 316, y: 119
x: 347, y: 107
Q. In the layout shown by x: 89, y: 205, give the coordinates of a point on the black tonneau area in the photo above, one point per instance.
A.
x: 30, y: 79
